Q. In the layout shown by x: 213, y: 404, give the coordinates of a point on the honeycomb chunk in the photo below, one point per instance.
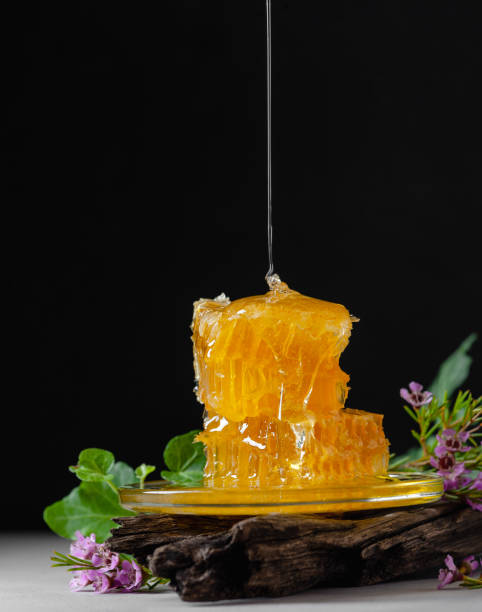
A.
x: 268, y: 375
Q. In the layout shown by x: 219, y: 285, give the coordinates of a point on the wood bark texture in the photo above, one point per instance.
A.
x: 214, y: 558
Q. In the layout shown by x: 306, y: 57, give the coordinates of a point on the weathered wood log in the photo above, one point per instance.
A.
x: 140, y: 535
x: 210, y: 558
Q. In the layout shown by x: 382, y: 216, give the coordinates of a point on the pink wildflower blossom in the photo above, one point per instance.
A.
x: 83, y: 547
x: 477, y: 486
x: 452, y: 573
x: 446, y: 464
x: 416, y: 397
x: 451, y: 442
x: 447, y: 574
x: 451, y: 470
x: 79, y: 582
x: 129, y: 577
x: 107, y: 573
x: 473, y: 504
x: 100, y: 581
x: 105, y: 559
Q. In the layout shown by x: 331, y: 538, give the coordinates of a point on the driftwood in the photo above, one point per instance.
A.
x: 213, y: 558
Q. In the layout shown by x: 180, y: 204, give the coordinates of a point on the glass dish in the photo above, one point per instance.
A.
x: 393, y: 490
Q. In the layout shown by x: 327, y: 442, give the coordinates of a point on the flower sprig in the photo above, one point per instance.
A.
x: 95, y: 565
x: 447, y: 434
x: 453, y: 573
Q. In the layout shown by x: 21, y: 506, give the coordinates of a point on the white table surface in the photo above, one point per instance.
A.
x: 28, y: 583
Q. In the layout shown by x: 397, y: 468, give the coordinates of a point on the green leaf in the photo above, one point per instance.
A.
x: 88, y: 508
x: 411, y: 413
x: 123, y: 474
x: 193, y: 478
x: 142, y: 471
x: 182, y: 453
x: 454, y: 370
x: 185, y: 460
x: 94, y: 465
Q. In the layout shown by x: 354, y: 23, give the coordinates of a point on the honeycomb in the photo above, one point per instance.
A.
x: 267, y: 371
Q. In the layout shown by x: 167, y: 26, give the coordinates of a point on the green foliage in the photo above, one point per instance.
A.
x: 142, y: 471
x: 123, y: 474
x: 94, y: 465
x: 454, y: 371
x: 186, y: 479
x: 185, y: 460
x: 462, y: 417
x: 88, y: 508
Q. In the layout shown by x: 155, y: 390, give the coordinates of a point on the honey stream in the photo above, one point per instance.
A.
x: 268, y: 117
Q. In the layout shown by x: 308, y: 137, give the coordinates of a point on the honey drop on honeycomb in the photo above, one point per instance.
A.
x: 267, y: 371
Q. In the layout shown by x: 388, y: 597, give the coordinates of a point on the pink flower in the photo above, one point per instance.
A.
x: 447, y: 574
x: 416, y: 396
x: 469, y: 565
x: 446, y: 464
x: 452, y: 573
x: 451, y: 442
x: 83, y: 547
x: 448, y: 467
x: 129, y: 577
x: 477, y: 486
x: 473, y: 504
x: 80, y: 581
x: 105, y: 572
x: 104, y: 559
x: 101, y: 581
x: 477, y: 483
x: 452, y: 471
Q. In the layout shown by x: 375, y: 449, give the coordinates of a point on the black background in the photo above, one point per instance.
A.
x: 135, y: 182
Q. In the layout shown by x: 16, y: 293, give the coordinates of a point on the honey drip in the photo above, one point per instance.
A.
x: 268, y: 375
x: 268, y: 139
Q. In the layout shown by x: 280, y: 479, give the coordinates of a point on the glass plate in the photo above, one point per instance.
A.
x: 393, y: 490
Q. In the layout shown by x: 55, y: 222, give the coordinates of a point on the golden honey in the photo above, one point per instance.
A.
x: 267, y: 371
